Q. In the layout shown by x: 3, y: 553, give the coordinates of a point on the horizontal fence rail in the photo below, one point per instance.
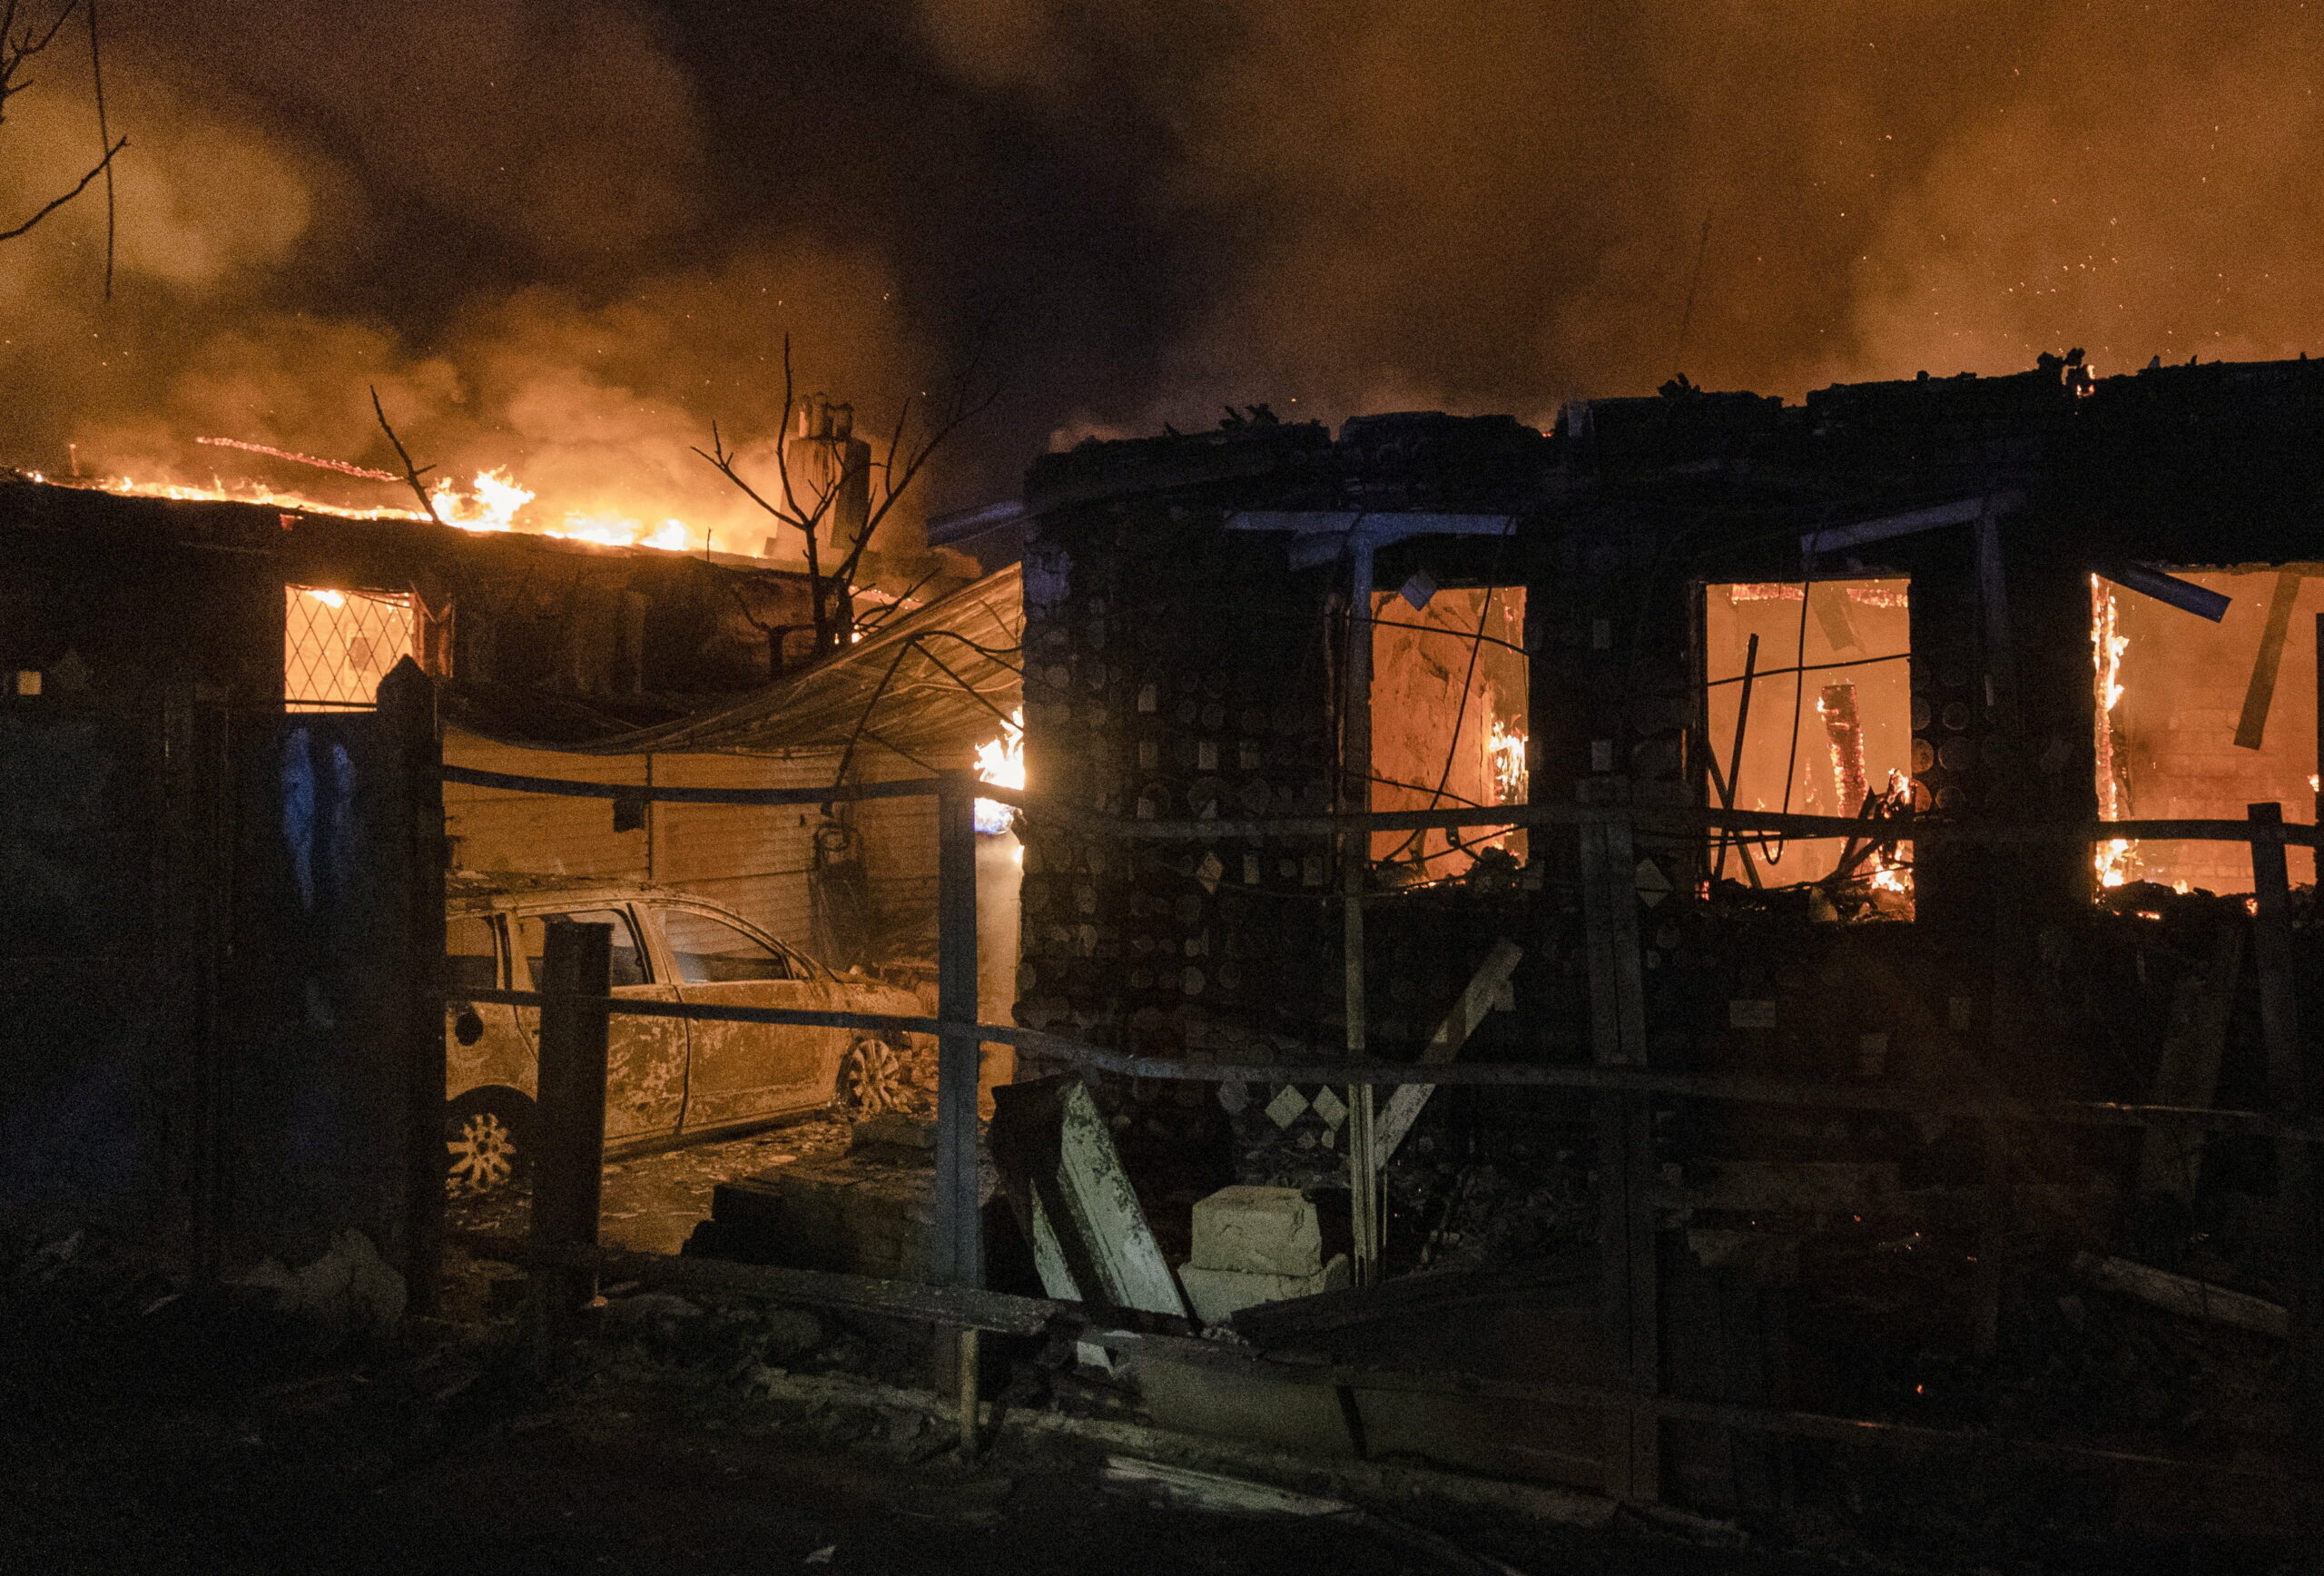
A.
x: 1653, y: 819
x: 1697, y: 1086
x: 565, y: 788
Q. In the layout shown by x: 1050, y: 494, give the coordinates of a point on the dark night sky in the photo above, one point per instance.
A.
x: 565, y: 236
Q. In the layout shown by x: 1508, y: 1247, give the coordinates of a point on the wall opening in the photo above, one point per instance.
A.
x: 337, y: 645
x: 1449, y: 699
x: 1830, y: 729
x: 2198, y: 721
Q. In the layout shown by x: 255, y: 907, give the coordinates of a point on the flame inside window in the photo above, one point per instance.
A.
x: 1001, y: 762
x: 337, y: 645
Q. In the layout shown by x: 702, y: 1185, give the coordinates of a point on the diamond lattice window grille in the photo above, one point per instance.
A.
x: 337, y: 645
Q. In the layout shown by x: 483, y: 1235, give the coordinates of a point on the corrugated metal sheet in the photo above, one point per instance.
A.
x: 934, y: 681
x: 502, y: 831
x: 899, y: 846
x: 757, y: 860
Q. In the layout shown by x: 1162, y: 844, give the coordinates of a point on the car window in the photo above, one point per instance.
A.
x: 708, y: 952
x: 629, y: 960
x: 472, y: 954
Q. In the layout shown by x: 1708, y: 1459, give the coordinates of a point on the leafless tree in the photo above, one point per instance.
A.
x: 811, y: 506
x: 24, y: 36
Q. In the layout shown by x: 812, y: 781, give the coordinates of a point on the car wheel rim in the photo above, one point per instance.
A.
x: 482, y: 1154
x: 874, y: 1081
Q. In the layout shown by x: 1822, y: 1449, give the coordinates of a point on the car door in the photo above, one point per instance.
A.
x: 645, y: 1057
x: 747, y: 1071
x: 482, y: 1046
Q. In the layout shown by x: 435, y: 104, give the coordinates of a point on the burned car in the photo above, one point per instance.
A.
x: 669, y: 1080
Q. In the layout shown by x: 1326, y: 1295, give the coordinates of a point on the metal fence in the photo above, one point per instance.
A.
x: 576, y: 1010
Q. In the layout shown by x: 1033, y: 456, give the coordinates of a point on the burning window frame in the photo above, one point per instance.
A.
x: 317, y: 617
x: 1866, y: 880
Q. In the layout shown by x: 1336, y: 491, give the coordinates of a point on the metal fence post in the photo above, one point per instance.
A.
x: 957, y: 1253
x: 957, y: 1258
x: 2290, y: 1091
x: 1364, y: 1201
x: 569, y: 1117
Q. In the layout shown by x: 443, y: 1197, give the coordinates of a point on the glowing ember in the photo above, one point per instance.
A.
x: 1505, y: 754
x: 295, y: 458
x: 2115, y: 859
x: 1892, y: 872
x: 1001, y: 761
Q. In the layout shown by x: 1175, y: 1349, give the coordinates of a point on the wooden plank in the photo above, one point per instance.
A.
x: 406, y: 699
x: 2171, y: 1160
x: 1626, y: 1167
x: 2292, y: 1089
x: 2251, y: 728
x: 569, y: 1117
x: 2178, y: 1294
x: 1404, y: 1107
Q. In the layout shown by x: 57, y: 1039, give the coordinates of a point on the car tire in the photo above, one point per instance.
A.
x: 488, y: 1141
x: 871, y: 1077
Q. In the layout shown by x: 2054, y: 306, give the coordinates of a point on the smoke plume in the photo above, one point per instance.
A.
x: 564, y: 238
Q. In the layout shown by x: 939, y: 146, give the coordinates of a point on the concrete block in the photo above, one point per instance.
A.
x: 1263, y: 1231
x: 1218, y: 1294
x: 1236, y: 1404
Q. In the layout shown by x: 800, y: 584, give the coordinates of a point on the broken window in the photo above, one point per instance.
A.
x: 1810, y: 713
x: 1449, y: 682
x: 472, y: 954
x: 710, y: 951
x: 2199, y: 720
x: 337, y: 645
x: 629, y: 959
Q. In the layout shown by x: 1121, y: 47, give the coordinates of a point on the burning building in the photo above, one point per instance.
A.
x: 1979, y: 616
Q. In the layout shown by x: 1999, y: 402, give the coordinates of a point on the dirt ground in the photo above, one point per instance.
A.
x: 196, y: 1439
x: 156, y: 1429
x: 653, y: 1202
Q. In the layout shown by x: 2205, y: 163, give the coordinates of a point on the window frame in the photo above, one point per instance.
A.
x: 803, y: 968
x: 495, y: 926
x: 629, y: 914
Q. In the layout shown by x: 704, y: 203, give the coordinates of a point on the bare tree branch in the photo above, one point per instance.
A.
x: 410, y: 473
x: 99, y: 167
x: 833, y: 596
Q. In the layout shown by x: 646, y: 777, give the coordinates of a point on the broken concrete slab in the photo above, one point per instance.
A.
x: 847, y: 1217
x: 1218, y: 1294
x: 1091, y: 1242
x: 1274, y: 1232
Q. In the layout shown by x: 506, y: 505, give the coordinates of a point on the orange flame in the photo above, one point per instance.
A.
x: 2115, y: 859
x: 492, y: 501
